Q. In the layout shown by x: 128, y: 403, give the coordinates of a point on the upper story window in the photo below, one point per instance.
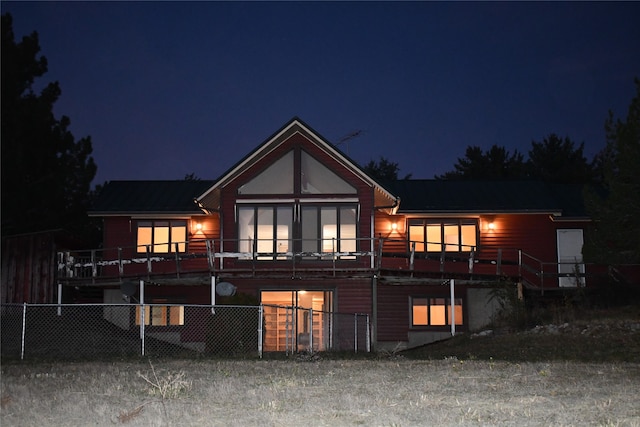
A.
x: 317, y: 215
x: 319, y: 231
x: 267, y: 230
x: 161, y: 236
x: 454, y: 235
x: 329, y: 229
x: 312, y: 178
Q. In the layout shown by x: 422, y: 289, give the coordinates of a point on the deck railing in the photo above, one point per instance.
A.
x: 210, y: 256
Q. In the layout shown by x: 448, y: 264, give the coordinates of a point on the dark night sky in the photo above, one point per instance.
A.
x: 166, y: 89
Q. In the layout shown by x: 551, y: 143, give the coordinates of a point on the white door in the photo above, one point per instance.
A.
x: 570, y: 258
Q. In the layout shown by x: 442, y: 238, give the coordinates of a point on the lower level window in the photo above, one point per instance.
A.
x: 435, y: 311
x: 161, y: 315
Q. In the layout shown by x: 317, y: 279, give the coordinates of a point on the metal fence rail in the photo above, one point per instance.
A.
x: 99, y: 331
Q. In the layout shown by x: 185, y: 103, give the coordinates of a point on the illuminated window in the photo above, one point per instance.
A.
x: 161, y: 315
x: 435, y: 311
x: 329, y: 229
x: 447, y: 236
x: 162, y: 236
x: 266, y: 230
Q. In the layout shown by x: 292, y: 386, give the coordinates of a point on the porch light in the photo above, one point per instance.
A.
x: 394, y: 226
x: 491, y: 226
x: 199, y: 226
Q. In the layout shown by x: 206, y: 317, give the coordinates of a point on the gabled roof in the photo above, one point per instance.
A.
x: 459, y: 196
x: 149, y: 197
x: 210, y: 199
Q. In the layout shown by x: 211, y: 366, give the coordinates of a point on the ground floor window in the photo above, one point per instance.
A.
x: 296, y: 320
x: 435, y: 311
x: 157, y: 314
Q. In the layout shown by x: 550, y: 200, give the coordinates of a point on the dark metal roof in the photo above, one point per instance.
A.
x: 416, y: 196
x: 487, y: 196
x: 150, y: 197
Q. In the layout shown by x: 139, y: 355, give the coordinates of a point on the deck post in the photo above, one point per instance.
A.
x: 355, y: 332
x: 260, y: 331
x: 412, y: 257
x: 453, y: 307
x: 59, y: 299
x: 120, y: 265
x: 177, y: 260
x: 142, y: 319
x: 213, y: 294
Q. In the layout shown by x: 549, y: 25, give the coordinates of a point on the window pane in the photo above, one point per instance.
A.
x: 161, y: 237
x: 265, y: 227
x: 416, y: 234
x: 316, y: 178
x: 458, y: 311
x: 468, y: 237
x: 245, y: 229
x: 348, y: 230
x: 145, y: 233
x: 159, y: 316
x: 451, y: 238
x: 276, y: 179
x: 420, y: 312
x: 284, y: 229
x: 147, y: 314
x: 310, y: 229
x: 179, y: 236
x: 437, y: 312
x: 434, y: 238
x: 176, y: 315
x: 329, y: 227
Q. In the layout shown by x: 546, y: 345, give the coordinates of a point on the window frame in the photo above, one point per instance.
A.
x: 339, y: 223
x: 296, y: 240
x: 171, y: 241
x: 255, y: 244
x: 423, y: 246
x: 431, y: 302
x: 165, y: 305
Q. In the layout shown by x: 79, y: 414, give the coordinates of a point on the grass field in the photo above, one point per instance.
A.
x: 583, y: 372
x: 387, y: 392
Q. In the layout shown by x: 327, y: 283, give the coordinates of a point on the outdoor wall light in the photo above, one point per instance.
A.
x: 491, y: 226
x: 394, y: 226
x: 198, y: 226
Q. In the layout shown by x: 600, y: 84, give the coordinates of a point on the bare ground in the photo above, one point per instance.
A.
x: 389, y: 392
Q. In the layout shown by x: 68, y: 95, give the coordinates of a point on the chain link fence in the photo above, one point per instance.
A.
x: 107, y: 331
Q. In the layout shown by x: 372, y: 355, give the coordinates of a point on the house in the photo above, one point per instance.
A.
x: 298, y: 223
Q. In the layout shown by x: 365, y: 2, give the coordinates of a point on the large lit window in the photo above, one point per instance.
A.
x: 448, y: 235
x: 161, y: 315
x: 329, y: 229
x: 266, y: 230
x: 435, y: 311
x: 162, y: 236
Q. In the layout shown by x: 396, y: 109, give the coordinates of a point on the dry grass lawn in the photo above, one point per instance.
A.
x: 386, y: 392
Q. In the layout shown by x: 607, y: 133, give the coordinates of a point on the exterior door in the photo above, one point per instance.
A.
x: 296, y: 320
x: 570, y: 264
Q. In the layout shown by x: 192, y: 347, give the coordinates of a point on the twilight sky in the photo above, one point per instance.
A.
x: 165, y: 89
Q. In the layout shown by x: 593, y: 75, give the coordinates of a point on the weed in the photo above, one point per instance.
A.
x: 127, y: 416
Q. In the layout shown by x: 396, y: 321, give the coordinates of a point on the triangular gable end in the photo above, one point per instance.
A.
x: 210, y: 200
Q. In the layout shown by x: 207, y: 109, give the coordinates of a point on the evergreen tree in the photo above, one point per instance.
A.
x: 558, y: 160
x: 46, y: 173
x: 383, y: 170
x: 615, y: 238
x: 496, y: 164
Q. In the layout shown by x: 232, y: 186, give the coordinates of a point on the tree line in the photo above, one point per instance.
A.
x: 47, y: 173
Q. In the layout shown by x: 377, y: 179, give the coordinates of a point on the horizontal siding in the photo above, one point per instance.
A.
x: 394, y: 314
